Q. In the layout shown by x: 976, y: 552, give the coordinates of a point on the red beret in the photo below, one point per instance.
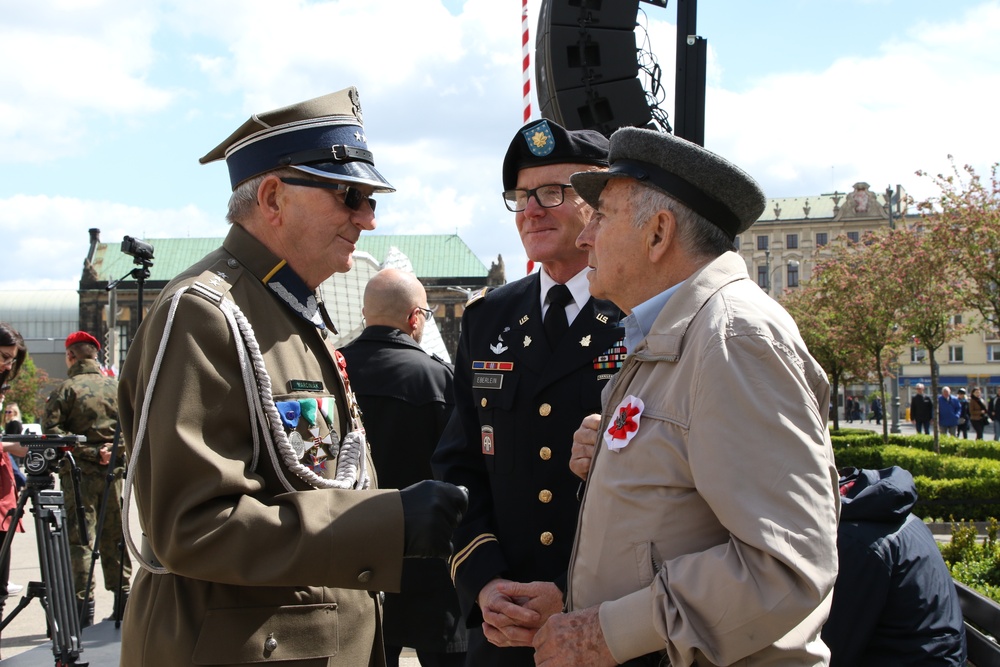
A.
x: 81, y: 337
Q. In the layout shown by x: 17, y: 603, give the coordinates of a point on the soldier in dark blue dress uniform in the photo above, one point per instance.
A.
x: 523, y: 383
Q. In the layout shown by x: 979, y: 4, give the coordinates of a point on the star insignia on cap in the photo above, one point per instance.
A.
x: 361, y: 137
x: 585, y: 341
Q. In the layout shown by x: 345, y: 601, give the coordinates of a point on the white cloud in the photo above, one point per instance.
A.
x: 48, y: 238
x: 877, y: 119
x: 65, y: 62
x: 442, y: 99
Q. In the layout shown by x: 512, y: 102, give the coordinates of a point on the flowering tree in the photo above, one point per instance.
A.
x: 965, y: 222
x: 936, y: 294
x: 827, y: 334
x: 861, y: 280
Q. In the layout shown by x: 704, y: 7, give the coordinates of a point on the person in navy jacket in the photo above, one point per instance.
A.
x: 894, y: 602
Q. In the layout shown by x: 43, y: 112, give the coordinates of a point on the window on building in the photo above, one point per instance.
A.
x: 761, y: 243
x: 762, y: 277
x: 736, y: 244
x: 791, y: 240
x: 793, y: 275
x: 853, y: 236
x: 955, y: 320
x: 918, y: 355
x: 956, y: 354
x: 993, y: 352
x: 820, y: 239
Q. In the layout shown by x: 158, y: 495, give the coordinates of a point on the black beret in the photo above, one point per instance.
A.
x: 543, y: 142
x: 324, y: 137
x: 706, y: 183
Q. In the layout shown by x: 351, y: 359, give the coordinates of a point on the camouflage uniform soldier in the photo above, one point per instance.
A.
x: 87, y: 404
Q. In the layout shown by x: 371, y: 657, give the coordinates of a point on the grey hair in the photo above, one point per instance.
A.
x: 695, y: 232
x: 244, y: 197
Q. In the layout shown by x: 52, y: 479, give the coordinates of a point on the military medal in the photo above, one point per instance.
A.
x: 585, y: 341
x: 297, y: 443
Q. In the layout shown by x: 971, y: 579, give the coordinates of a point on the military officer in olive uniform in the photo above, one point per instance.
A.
x: 531, y: 362
x: 87, y: 404
x: 265, y: 538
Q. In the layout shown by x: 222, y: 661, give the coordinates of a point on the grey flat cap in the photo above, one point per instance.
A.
x: 705, y: 182
x: 324, y: 137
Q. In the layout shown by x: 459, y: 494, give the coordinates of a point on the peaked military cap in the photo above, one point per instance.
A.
x: 543, y: 142
x: 81, y: 337
x: 705, y: 182
x: 324, y: 137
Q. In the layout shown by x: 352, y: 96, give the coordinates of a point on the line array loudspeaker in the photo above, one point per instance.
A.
x: 586, y: 65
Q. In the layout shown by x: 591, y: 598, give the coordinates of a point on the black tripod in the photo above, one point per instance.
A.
x: 55, y: 592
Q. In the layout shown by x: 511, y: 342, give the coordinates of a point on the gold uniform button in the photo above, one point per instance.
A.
x: 544, y: 409
x: 545, y: 453
x: 365, y: 577
x: 546, y: 538
x: 483, y: 402
x: 545, y: 495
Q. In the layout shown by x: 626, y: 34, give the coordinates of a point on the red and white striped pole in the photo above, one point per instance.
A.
x: 526, y: 61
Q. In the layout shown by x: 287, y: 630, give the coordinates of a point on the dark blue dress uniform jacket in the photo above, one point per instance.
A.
x: 517, y: 404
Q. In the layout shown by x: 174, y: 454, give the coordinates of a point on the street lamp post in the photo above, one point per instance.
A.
x: 895, y: 399
x: 767, y: 269
x: 888, y: 205
x: 792, y: 264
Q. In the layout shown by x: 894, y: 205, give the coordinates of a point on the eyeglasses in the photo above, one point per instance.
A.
x: 7, y: 359
x: 428, y: 313
x: 547, y: 196
x: 8, y: 412
x: 352, y: 199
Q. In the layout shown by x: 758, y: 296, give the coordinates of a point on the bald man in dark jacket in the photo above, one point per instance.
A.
x: 406, y: 397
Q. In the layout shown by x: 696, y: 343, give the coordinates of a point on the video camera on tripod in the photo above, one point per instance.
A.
x: 45, y: 451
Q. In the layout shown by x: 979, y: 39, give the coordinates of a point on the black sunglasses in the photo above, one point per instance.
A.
x: 352, y: 199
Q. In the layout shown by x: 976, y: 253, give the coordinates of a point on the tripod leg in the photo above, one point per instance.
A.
x: 57, y: 575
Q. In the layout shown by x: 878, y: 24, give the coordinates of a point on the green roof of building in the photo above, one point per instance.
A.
x: 432, y: 255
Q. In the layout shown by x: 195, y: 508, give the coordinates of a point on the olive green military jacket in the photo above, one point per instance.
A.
x: 84, y: 404
x: 256, y: 573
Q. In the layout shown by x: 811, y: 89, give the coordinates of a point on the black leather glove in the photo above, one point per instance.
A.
x: 431, y: 511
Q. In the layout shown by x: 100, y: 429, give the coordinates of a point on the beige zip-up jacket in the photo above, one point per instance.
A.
x: 711, y: 535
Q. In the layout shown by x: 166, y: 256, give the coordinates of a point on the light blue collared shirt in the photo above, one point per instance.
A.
x: 638, y: 324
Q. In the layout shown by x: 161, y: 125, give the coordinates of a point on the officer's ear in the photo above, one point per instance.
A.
x: 270, y: 198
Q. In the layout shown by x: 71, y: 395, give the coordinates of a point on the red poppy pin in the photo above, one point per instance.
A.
x: 624, y: 423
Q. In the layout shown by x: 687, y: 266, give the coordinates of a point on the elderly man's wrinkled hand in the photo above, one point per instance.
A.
x: 584, y: 444
x: 573, y: 639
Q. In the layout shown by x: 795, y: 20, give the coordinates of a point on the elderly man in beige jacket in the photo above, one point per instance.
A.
x: 707, y: 532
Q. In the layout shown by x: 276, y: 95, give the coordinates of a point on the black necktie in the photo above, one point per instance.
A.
x: 555, y: 321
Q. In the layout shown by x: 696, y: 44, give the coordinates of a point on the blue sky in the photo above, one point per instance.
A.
x: 108, y: 104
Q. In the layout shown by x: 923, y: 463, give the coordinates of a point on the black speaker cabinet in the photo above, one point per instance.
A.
x: 619, y: 14
x: 586, y: 65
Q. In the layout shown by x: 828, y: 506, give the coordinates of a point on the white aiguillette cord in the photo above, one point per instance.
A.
x: 351, y: 472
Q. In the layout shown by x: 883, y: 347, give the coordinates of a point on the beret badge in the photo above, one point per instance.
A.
x: 539, y: 138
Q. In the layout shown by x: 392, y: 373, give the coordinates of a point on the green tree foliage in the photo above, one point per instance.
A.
x: 26, y: 391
